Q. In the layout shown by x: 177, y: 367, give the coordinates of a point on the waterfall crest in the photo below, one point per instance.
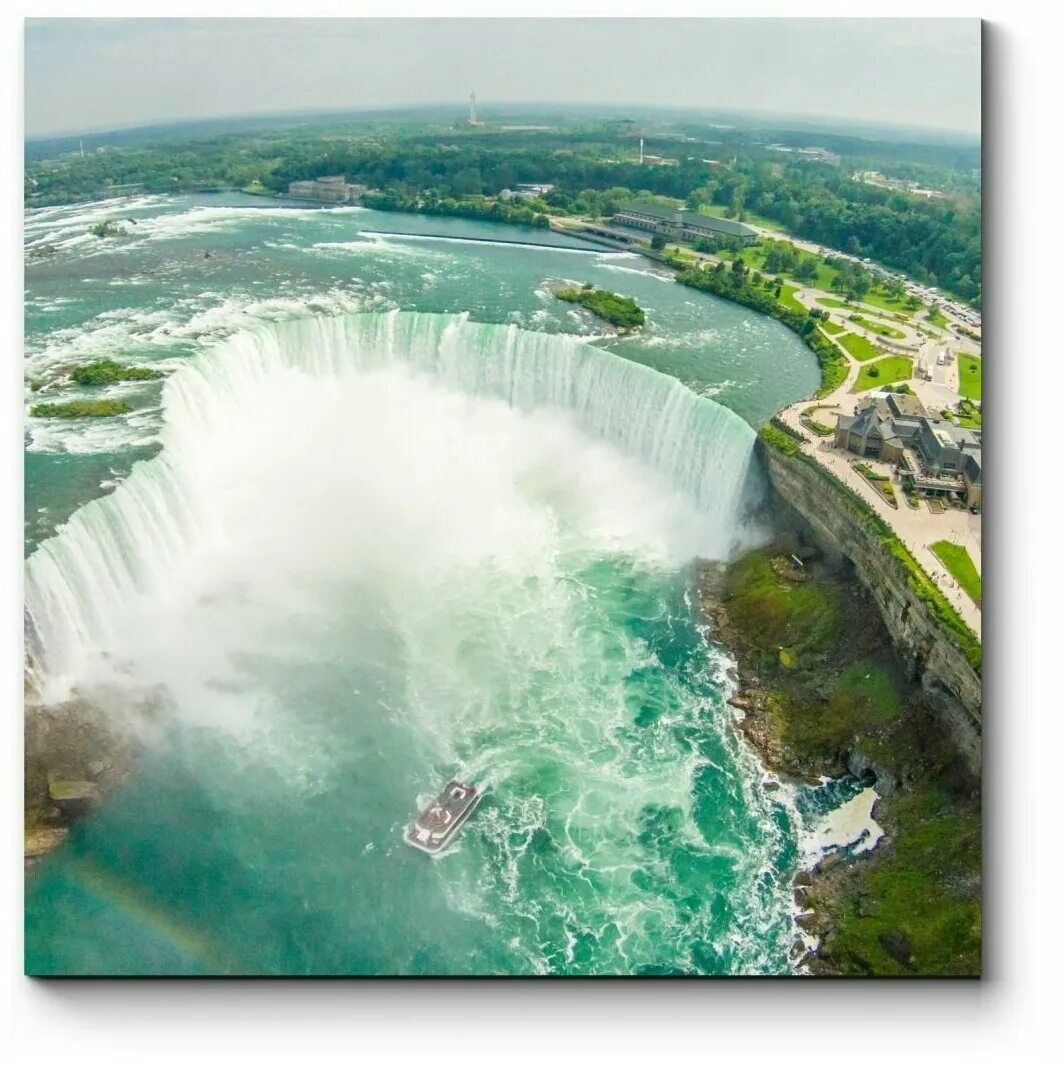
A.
x: 129, y: 544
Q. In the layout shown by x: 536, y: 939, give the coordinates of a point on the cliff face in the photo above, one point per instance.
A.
x: 951, y: 684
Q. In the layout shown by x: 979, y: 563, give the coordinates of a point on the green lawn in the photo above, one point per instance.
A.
x: 830, y: 302
x: 877, y: 327
x: 830, y: 327
x: 858, y: 347
x: 868, y: 692
x: 753, y: 256
x: 878, y: 299
x: 960, y: 566
x: 751, y: 218
x: 938, y: 319
x: 788, y: 300
x: 877, y: 374
x: 970, y: 375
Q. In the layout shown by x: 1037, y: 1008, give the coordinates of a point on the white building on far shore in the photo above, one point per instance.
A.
x: 334, y: 189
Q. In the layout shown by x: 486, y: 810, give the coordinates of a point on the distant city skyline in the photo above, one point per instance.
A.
x: 85, y: 75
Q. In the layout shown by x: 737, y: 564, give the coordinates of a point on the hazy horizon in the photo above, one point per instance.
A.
x: 90, y: 75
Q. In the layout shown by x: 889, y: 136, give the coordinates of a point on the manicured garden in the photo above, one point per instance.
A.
x: 858, y: 347
x: 876, y: 327
x: 881, y: 372
x: 881, y: 484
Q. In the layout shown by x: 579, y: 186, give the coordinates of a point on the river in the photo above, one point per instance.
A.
x: 396, y: 514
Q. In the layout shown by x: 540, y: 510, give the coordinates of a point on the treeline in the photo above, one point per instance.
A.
x: 747, y: 287
x: 519, y: 214
x: 935, y: 241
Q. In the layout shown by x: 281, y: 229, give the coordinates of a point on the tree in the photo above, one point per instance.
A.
x: 806, y: 270
x: 658, y: 241
x: 695, y: 198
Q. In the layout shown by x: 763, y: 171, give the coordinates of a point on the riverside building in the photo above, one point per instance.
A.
x: 682, y: 225
x: 334, y: 189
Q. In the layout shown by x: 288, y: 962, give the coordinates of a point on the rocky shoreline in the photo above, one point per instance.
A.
x: 821, y: 695
x: 74, y: 758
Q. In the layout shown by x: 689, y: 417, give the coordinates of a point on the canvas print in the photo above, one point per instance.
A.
x: 497, y: 508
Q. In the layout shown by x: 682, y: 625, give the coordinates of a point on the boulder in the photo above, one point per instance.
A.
x: 73, y: 797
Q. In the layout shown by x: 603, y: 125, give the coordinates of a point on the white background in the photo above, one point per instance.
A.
x: 1010, y: 1016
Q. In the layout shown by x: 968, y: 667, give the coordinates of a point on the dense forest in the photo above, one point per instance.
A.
x: 593, y: 168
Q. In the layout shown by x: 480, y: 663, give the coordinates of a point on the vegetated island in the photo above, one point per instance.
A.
x: 80, y: 409
x: 97, y: 373
x: 621, y: 312
x: 107, y: 229
x: 107, y: 372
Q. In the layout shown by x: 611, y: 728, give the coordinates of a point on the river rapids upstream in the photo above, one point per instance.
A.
x: 395, y: 514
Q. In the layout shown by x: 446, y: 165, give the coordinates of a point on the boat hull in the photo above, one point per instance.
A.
x: 437, y: 826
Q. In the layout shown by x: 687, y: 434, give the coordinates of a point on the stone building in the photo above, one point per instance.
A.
x: 934, y: 457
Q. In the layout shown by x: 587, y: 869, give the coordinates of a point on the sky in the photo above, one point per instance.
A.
x: 94, y: 74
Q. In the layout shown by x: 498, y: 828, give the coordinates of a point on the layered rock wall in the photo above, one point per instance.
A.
x: 952, y: 686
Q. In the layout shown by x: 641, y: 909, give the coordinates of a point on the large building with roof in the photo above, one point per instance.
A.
x: 681, y: 225
x: 935, y: 458
x: 333, y: 189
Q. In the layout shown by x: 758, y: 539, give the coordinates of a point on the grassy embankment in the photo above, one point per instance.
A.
x: 877, y: 374
x: 830, y: 685
x: 622, y: 312
x: 960, y: 565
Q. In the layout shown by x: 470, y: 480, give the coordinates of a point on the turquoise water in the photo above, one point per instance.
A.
x: 402, y: 515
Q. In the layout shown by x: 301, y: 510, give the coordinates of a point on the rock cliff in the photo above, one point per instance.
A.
x: 824, y: 513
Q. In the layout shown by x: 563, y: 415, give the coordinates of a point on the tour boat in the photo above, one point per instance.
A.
x: 436, y: 826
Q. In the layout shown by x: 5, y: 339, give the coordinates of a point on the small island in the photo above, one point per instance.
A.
x: 80, y: 409
x: 622, y: 312
x: 107, y: 229
x: 107, y: 372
